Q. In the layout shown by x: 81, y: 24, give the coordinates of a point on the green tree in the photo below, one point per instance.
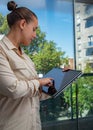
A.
x: 48, y: 57
x: 88, y: 68
x: 85, y: 92
x: 1, y: 20
x: 3, y: 25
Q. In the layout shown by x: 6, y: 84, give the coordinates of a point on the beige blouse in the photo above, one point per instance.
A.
x: 19, y: 90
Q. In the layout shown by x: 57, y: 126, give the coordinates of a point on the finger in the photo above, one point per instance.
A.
x: 51, y: 83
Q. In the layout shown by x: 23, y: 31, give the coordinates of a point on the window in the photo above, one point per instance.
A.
x: 89, y: 51
x: 78, y: 28
x: 79, y: 40
x: 89, y: 22
x: 90, y: 39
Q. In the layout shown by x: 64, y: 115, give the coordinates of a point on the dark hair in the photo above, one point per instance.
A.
x: 18, y: 14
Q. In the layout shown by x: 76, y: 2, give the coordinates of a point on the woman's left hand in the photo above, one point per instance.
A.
x: 66, y: 68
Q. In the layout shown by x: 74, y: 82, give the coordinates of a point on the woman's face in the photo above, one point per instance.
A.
x: 28, y: 31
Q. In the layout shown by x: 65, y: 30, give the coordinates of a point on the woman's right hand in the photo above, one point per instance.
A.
x: 45, y: 82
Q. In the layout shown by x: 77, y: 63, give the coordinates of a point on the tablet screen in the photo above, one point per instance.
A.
x: 61, y: 79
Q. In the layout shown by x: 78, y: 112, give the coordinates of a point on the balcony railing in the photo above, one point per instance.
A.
x: 72, y: 109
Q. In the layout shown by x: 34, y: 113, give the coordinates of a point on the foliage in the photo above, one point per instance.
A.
x: 84, y: 89
x: 1, y: 20
x: 3, y: 25
x: 47, y: 58
x: 54, y: 109
x: 88, y: 68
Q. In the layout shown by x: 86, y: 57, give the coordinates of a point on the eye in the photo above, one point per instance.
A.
x: 34, y: 29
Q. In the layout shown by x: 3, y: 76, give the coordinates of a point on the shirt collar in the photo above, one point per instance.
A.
x: 8, y: 43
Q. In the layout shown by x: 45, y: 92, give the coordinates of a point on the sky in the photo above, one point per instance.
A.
x: 55, y: 19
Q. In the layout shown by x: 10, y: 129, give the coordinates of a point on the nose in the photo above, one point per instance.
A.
x: 34, y: 35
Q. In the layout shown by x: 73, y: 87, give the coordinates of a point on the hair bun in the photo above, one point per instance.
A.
x: 11, y: 5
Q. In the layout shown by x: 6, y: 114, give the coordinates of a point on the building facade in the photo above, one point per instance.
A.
x: 83, y: 35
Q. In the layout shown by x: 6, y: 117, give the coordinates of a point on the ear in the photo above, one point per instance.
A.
x: 22, y: 24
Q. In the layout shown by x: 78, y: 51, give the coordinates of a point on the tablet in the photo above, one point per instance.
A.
x: 61, y: 80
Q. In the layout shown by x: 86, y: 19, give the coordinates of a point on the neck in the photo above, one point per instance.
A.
x: 13, y: 37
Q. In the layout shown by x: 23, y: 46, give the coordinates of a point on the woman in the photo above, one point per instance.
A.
x: 20, y: 87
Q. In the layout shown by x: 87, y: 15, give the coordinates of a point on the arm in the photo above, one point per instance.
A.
x: 10, y: 86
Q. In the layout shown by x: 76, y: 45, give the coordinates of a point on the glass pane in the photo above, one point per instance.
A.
x: 85, y: 102
x: 84, y: 34
x: 83, y: 44
x: 56, y: 30
x: 56, y: 109
x: 85, y: 86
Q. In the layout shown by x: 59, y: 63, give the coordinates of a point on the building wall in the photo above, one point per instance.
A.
x: 82, y: 15
x: 71, y: 63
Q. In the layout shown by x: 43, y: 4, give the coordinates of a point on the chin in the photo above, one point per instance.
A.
x: 27, y: 43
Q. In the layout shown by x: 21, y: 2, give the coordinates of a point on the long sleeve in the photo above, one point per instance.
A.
x: 10, y: 85
x: 19, y: 90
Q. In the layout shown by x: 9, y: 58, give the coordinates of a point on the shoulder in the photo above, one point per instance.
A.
x: 2, y: 48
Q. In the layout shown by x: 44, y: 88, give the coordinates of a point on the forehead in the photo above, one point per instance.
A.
x: 34, y: 22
